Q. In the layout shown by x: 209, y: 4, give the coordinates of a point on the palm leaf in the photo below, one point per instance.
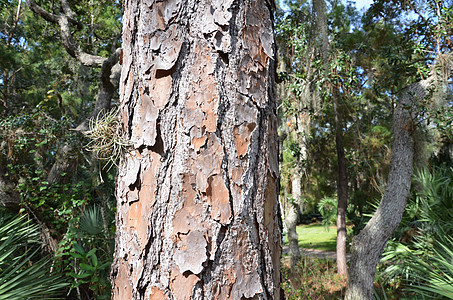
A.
x: 91, y: 221
x: 22, y: 274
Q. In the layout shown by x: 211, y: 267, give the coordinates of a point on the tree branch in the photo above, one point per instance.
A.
x: 67, y: 9
x: 50, y: 17
x: 67, y: 39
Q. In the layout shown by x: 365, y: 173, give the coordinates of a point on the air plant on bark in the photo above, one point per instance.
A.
x: 107, y: 141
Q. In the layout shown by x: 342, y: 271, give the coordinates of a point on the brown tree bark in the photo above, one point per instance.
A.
x: 197, y: 213
x: 370, y: 242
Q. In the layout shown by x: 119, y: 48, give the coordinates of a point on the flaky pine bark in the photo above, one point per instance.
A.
x: 370, y: 242
x: 197, y: 213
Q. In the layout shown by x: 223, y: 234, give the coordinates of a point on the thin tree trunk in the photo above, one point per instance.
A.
x: 197, y: 213
x: 9, y: 197
x: 342, y: 190
x: 370, y: 242
x: 290, y: 210
x: 319, y: 9
x: 291, y: 217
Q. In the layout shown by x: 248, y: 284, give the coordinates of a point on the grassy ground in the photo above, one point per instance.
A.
x: 317, y: 236
x: 313, y: 278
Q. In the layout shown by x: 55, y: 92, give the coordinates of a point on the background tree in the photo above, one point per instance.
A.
x: 321, y: 78
x: 369, y: 244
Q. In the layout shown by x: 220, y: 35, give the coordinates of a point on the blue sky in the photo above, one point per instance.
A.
x: 363, y: 4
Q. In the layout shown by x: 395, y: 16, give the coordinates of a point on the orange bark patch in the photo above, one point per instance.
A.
x: 144, y: 121
x: 135, y: 212
x: 242, y: 135
x: 156, y: 294
x: 208, y: 162
x: 210, y: 123
x: 161, y: 91
x: 123, y: 288
x: 219, y: 198
x: 185, y: 219
x: 147, y: 194
x: 203, y: 93
x: 136, y: 222
x: 247, y: 282
x: 181, y: 285
x: 237, y: 175
x: 198, y: 142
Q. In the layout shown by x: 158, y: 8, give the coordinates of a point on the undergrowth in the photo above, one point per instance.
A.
x: 312, y: 279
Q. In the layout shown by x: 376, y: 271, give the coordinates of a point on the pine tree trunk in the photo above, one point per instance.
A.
x: 369, y: 244
x: 197, y: 213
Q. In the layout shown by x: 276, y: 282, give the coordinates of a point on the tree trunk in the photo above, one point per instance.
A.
x: 9, y: 197
x: 342, y: 190
x: 370, y: 242
x: 319, y: 9
x: 197, y: 211
x: 291, y: 217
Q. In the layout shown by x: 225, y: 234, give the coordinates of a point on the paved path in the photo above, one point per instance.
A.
x: 316, y: 253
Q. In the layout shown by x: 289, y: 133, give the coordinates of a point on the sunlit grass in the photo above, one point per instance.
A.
x: 317, y: 236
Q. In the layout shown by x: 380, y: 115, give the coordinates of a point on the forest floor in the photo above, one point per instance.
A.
x: 324, y: 254
x: 315, y: 276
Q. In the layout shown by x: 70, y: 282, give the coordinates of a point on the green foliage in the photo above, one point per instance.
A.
x: 31, y: 142
x: 90, y: 271
x: 44, y: 95
x: 421, y: 258
x: 328, y: 209
x: 23, y: 274
x: 86, y: 253
x: 91, y: 221
x: 438, y: 280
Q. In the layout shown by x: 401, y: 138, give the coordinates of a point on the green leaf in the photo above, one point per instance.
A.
x: 78, y: 248
x: 87, y: 267
x: 94, y: 259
